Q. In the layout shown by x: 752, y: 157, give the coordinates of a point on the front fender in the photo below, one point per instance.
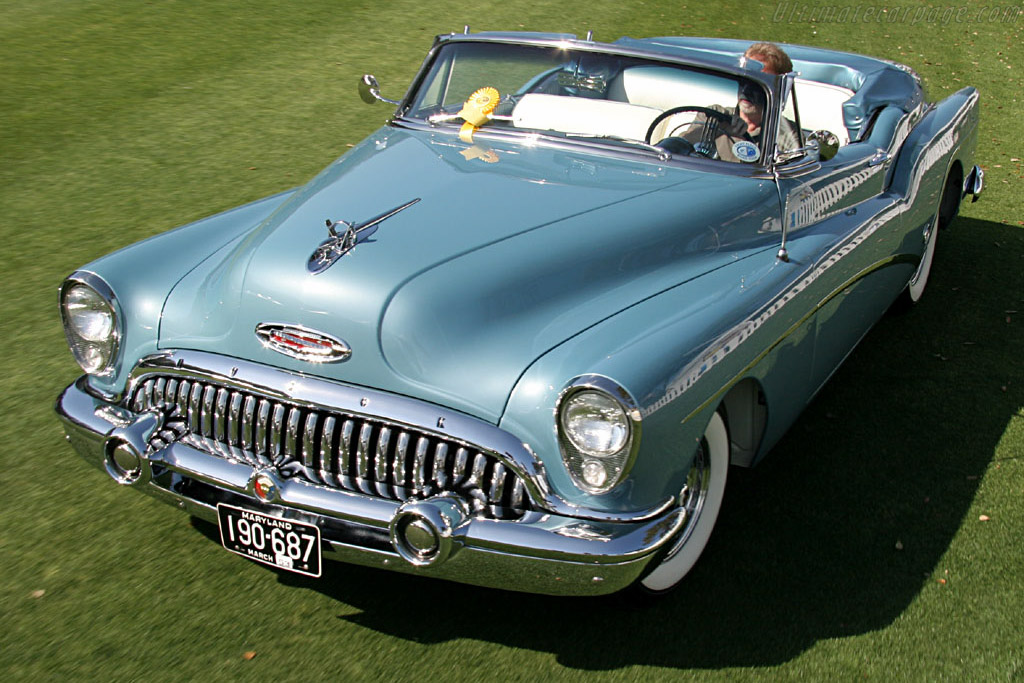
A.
x: 677, y: 354
x: 142, y: 275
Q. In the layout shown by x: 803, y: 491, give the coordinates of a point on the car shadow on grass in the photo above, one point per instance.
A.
x: 834, y: 535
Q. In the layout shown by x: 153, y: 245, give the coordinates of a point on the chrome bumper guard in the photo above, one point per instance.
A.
x: 974, y: 183
x: 541, y: 552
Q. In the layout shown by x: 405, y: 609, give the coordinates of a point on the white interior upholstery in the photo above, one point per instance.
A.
x: 663, y: 87
x: 821, y: 107
x: 585, y: 116
x: 640, y: 93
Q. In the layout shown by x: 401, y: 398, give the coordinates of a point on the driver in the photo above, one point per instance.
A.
x: 738, y: 134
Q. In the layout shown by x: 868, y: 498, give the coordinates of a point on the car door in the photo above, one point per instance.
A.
x: 843, y: 201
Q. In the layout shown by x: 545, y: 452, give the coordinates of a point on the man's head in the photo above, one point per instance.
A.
x: 775, y: 60
x: 751, y: 98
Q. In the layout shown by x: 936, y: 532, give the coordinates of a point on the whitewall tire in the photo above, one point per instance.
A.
x: 701, y: 496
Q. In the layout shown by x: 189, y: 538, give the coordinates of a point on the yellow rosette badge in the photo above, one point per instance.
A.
x: 477, y: 110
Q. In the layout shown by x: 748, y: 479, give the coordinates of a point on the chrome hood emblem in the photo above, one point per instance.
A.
x: 302, y: 343
x: 345, y: 236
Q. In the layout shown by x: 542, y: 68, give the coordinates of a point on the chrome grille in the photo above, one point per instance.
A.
x: 345, y: 451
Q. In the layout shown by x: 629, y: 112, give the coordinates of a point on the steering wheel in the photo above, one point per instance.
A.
x: 713, y: 121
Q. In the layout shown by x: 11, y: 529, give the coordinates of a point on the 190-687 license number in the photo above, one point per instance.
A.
x: 278, y: 542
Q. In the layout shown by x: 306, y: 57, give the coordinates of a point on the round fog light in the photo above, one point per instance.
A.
x: 594, y: 473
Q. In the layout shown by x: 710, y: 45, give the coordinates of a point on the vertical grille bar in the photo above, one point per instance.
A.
x: 326, y: 447
x: 262, y: 423
x: 459, y: 466
x: 139, y: 401
x: 147, y: 396
x: 291, y: 439
x: 234, y: 430
x: 183, y: 391
x: 497, y: 484
x: 158, y: 393
x: 248, y: 425
x: 220, y: 415
x: 399, y: 477
x: 380, y: 462
x: 363, y: 459
x: 276, y: 431
x: 476, y: 477
x: 206, y: 417
x: 309, y: 444
x: 517, y: 500
x: 171, y: 393
x: 195, y: 409
x: 420, y: 464
x: 342, y: 466
x: 441, y: 465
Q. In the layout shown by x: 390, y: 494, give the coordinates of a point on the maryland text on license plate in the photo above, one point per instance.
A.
x: 282, y: 543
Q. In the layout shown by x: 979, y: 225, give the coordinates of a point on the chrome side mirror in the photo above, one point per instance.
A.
x: 820, y: 143
x: 369, y: 90
x: 827, y: 141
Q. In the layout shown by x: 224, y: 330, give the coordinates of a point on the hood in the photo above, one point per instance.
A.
x: 510, y: 251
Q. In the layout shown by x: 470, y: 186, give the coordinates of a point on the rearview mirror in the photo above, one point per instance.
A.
x: 828, y: 143
x: 369, y: 90
x: 821, y: 143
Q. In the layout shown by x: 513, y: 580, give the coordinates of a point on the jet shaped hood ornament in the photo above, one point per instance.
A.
x: 345, y: 236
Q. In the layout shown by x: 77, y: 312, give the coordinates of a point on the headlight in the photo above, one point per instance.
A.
x: 599, y: 430
x: 595, y: 423
x: 90, y: 322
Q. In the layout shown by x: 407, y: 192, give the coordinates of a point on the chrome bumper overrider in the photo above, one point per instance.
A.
x: 541, y: 552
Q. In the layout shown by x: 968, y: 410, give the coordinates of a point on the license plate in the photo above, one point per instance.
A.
x: 282, y: 543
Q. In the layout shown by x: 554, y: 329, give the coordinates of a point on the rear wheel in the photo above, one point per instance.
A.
x: 949, y: 204
x: 701, y: 497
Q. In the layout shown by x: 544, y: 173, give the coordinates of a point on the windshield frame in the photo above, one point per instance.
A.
x: 715, y: 65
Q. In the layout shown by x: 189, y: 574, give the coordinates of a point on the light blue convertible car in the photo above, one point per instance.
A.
x: 518, y: 335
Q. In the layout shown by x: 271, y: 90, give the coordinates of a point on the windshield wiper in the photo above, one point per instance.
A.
x: 662, y: 153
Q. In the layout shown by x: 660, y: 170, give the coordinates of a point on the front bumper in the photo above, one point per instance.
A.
x: 540, y: 552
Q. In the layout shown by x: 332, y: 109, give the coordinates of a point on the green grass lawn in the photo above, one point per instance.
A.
x: 882, y: 539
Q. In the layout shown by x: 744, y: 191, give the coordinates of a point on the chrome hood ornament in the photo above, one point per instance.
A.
x: 303, y: 343
x: 344, y: 237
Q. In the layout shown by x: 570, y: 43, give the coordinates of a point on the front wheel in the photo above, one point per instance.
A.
x: 701, y: 497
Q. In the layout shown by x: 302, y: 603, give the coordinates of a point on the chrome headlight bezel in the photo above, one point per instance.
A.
x: 578, y: 459
x: 96, y: 356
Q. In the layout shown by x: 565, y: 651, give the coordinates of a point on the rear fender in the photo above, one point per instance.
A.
x: 947, y: 133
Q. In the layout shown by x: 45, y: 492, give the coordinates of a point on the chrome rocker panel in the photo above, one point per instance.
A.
x: 543, y: 551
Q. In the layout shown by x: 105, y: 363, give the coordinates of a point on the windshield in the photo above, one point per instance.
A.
x: 578, y: 94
